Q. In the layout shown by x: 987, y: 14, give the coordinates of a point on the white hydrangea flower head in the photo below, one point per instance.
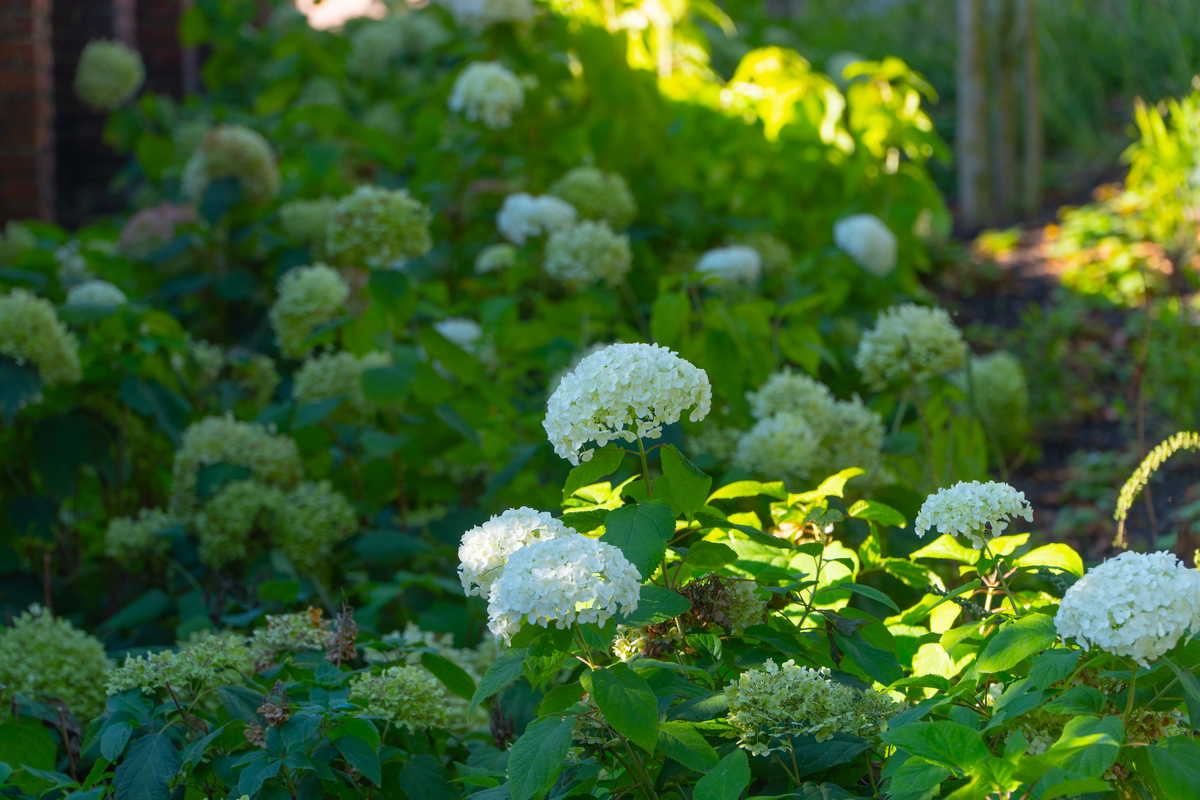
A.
x: 732, y: 265
x: 466, y: 333
x: 485, y: 549
x: 853, y: 438
x: 524, y: 216
x: 624, y: 391
x: 793, y: 392
x: 31, y: 333
x: 95, y: 293
x: 973, y: 510
x: 488, y: 93
x: 338, y: 374
x: 1135, y: 605
x: 377, y: 45
x: 779, y: 447
x: 597, y: 195
x: 910, y: 343
x: 109, y: 73
x: 587, y: 252
x: 378, y: 228
x: 868, y: 241
x: 495, y: 258
x: 233, y: 151
x: 564, y: 580
x: 308, y: 298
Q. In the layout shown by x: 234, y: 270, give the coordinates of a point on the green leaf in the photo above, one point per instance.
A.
x: 875, y: 511
x: 683, y: 485
x: 1075, y: 701
x: 504, y: 670
x: 220, y: 196
x: 1052, y: 666
x: 1017, y: 641
x: 656, y: 604
x: 669, y: 317
x: 113, y: 740
x: 1191, y: 691
x: 212, y: 478
x: 362, y: 756
x: 710, y: 555
x: 684, y: 743
x: 358, y: 728
x: 1175, y: 763
x: 150, y: 763
x: 641, y: 532
x: 535, y: 759
x: 1053, y: 555
x: 20, y: 385
x: 604, y: 462
x: 628, y: 703
x: 25, y: 742
x: 947, y: 547
x: 257, y: 770
x: 1087, y: 747
x: 870, y: 592
x: 424, y: 778
x: 452, y: 676
x: 947, y: 743
x: 727, y: 780
x: 914, y: 779
x: 738, y: 489
x: 314, y: 412
x: 877, y: 663
x: 387, y: 387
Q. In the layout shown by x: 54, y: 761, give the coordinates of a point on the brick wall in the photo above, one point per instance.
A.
x: 53, y: 160
x: 27, y: 110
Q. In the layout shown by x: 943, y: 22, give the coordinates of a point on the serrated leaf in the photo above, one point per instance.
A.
x: 737, y: 489
x: 604, y: 462
x: 947, y: 743
x: 452, y: 676
x: 947, y: 547
x: 641, y: 532
x: 536, y: 759
x: 1056, y: 554
x: 151, y: 761
x: 1015, y: 641
x: 362, y: 756
x: 656, y: 604
x: 113, y: 740
x: 683, y: 485
x: 504, y: 670
x: 875, y: 511
x: 727, y: 780
x: 684, y: 743
x: 628, y: 704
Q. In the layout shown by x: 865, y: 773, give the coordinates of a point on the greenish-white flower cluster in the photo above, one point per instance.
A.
x: 309, y: 523
x: 597, y: 195
x: 285, y: 634
x: 42, y: 657
x: 495, y: 258
x: 909, y: 343
x: 485, y: 549
x: 768, y: 706
x: 377, y: 46
x: 623, y: 392
x: 378, y: 228
x: 338, y: 374
x: 726, y: 266
x: 523, y: 216
x: 305, y: 221
x: 15, y: 242
x: 271, y: 459
x: 1135, y: 605
x: 309, y: 297
x: 482, y: 13
x: 205, y: 661
x: 109, y: 73
x: 95, y: 293
x: 488, y: 93
x: 406, y: 696
x: 225, y: 524
x: 31, y: 333
x: 868, y: 241
x: 1000, y: 396
x: 233, y: 151
x: 134, y: 540
x: 587, y: 252
x: 973, y: 510
x: 781, y: 445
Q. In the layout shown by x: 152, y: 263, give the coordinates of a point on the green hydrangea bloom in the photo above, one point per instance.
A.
x: 233, y: 151
x: 473, y: 660
x: 597, y: 195
x: 495, y: 257
x: 15, y: 242
x: 207, y: 660
x: 304, y: 221
x: 109, y: 73
x: 42, y: 656
x: 309, y: 523
x: 133, y: 541
x: 378, y: 228
x: 226, y: 524
x: 795, y: 393
x: 908, y: 344
x: 587, y: 252
x: 337, y: 374
x: 1001, y: 397
x: 406, y: 696
x: 271, y: 459
x: 291, y: 633
x: 308, y: 298
x: 769, y: 705
x: 31, y: 332
x: 853, y: 438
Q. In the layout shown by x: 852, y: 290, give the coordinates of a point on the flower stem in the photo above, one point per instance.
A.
x: 645, y: 468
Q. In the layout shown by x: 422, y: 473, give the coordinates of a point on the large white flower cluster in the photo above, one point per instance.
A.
x: 379, y: 228
x: 909, y: 343
x: 1136, y: 605
x: 789, y: 391
x: 973, y: 510
x: 487, y: 92
x: 233, y: 151
x: 597, y: 195
x: 737, y: 264
x: 587, y: 252
x: 868, y: 241
x: 781, y: 446
x: 523, y: 216
x: 109, y: 73
x: 485, y: 549
x: 566, y: 580
x: 624, y: 391
x: 95, y: 293
x: 308, y: 298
